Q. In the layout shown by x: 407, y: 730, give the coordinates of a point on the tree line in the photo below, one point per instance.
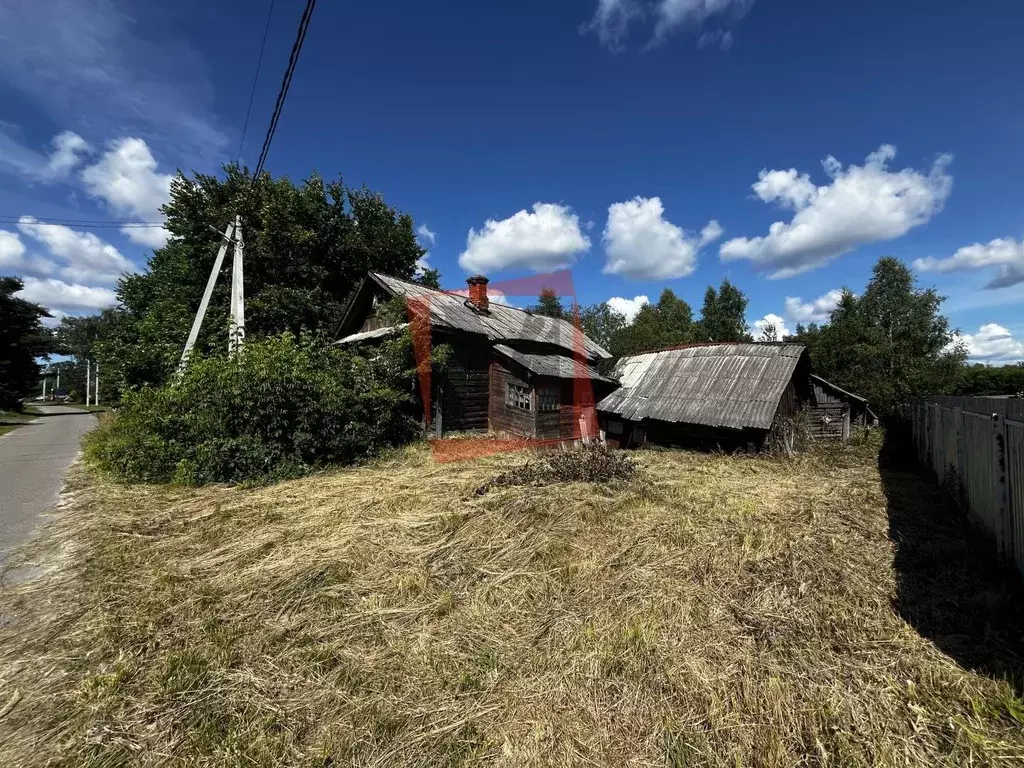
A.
x: 891, y: 344
x: 656, y: 326
x: 309, y: 244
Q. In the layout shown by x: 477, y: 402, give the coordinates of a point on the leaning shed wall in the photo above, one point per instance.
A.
x: 829, y: 414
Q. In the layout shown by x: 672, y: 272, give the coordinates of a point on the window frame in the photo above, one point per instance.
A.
x: 553, y: 395
x: 518, y: 396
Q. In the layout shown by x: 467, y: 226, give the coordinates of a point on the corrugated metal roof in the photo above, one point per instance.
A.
x: 379, y: 333
x: 719, y: 385
x: 559, y: 366
x: 501, y: 323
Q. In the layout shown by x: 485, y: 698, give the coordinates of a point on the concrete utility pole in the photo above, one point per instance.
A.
x: 87, y: 365
x: 236, y: 335
x: 96, y: 400
x: 236, y: 332
x: 44, y: 388
x: 58, y: 380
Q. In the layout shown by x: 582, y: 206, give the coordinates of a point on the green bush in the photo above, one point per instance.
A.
x: 279, y: 409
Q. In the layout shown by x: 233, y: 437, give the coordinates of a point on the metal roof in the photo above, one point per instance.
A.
x: 379, y: 333
x: 500, y: 323
x: 715, y: 385
x: 559, y: 366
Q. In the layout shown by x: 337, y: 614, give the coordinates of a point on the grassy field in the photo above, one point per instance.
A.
x: 713, y: 611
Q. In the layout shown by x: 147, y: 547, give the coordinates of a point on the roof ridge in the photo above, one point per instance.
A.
x: 459, y: 295
x: 696, y: 344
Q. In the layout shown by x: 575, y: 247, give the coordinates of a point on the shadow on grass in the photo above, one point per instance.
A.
x: 951, y: 588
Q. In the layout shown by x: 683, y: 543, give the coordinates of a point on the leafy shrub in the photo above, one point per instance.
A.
x: 591, y: 464
x: 278, y: 409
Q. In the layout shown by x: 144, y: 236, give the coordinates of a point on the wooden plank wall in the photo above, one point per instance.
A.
x: 504, y: 418
x: 827, y: 414
x: 977, y: 445
x: 466, y: 383
x: 563, y: 423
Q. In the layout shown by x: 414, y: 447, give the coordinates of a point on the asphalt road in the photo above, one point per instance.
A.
x: 33, y: 459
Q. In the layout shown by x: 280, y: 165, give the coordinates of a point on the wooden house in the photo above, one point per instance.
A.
x: 511, y: 372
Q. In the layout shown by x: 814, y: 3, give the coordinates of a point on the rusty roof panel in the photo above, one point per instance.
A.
x: 719, y: 385
x: 501, y: 323
x: 558, y: 366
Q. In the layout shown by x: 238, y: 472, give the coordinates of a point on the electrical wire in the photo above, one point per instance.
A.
x: 286, y: 81
x: 255, y: 80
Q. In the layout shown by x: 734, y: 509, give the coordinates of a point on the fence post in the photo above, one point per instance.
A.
x: 1002, y: 517
x: 961, y: 469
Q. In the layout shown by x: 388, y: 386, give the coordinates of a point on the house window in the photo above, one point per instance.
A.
x: 548, y: 397
x: 517, y: 396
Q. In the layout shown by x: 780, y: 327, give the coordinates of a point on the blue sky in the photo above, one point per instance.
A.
x: 600, y: 135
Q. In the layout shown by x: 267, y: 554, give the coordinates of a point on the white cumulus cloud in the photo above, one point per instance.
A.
x: 816, y: 311
x: 12, y: 251
x: 862, y: 204
x: 781, y: 329
x: 85, y: 257
x: 642, y: 244
x: 628, y: 308
x: 424, y: 232
x: 994, y: 344
x: 56, y: 294
x: 1005, y: 254
x: 711, y: 232
x: 127, y: 179
x: 69, y: 149
x: 545, y: 239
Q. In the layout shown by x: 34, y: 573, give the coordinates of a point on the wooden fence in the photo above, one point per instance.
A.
x: 975, y: 447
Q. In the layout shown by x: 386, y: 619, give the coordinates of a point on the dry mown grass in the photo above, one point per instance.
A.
x: 713, y: 611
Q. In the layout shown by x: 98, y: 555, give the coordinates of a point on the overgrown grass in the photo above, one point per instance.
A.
x: 711, y: 611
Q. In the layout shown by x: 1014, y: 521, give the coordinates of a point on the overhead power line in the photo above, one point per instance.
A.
x: 286, y: 81
x: 255, y: 80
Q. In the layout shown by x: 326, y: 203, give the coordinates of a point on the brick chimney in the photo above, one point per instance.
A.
x: 478, y: 292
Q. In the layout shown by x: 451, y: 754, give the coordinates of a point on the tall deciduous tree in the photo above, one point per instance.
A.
x: 306, y: 247
x: 23, y: 338
x: 667, y: 323
x: 723, y: 316
x: 890, y: 345
x: 600, y: 322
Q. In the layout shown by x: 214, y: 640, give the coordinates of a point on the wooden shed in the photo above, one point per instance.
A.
x: 728, y: 395
x: 835, y: 412
x: 511, y: 372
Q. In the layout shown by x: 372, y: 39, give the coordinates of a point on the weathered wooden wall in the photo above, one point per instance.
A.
x: 828, y: 414
x: 975, y: 446
x: 563, y: 423
x: 465, y: 383
x: 505, y: 418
